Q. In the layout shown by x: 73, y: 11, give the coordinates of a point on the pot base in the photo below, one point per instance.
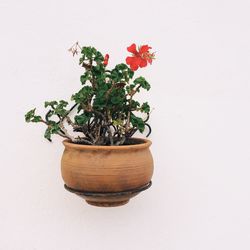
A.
x: 107, y: 204
x: 112, y: 199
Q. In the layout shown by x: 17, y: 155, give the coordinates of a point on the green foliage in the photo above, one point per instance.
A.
x: 145, y: 107
x: 117, y: 97
x: 50, y: 104
x: 134, y: 105
x: 142, y: 82
x: 130, y: 87
x: 138, y: 123
x: 83, y: 118
x: 104, y: 104
x: 85, y: 77
x: 60, y: 108
x: 31, y: 117
x: 121, y: 73
x: 98, y: 57
x: 53, y: 128
x: 100, y: 99
x: 83, y: 96
x: 90, y: 53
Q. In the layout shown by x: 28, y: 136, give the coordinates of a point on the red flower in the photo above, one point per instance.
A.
x: 139, y: 58
x: 106, y: 60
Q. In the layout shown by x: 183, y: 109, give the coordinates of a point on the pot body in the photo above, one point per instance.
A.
x: 104, y: 169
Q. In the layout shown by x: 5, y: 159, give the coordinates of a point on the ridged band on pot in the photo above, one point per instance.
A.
x: 107, y: 168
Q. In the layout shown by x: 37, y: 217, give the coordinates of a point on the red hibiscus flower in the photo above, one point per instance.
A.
x: 106, y: 60
x: 140, y: 58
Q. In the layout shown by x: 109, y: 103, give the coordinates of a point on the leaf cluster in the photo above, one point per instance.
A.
x: 106, y: 111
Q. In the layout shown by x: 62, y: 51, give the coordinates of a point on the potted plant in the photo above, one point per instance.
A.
x: 102, y: 161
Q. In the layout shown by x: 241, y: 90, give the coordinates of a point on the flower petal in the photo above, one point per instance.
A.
x: 129, y: 60
x: 134, y: 67
x: 144, y: 48
x: 132, y: 48
x: 137, y: 60
x: 143, y: 63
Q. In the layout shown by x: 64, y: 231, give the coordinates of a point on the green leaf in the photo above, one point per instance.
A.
x: 85, y: 77
x: 50, y: 104
x: 53, y: 128
x: 121, y: 66
x: 99, y: 102
x: 37, y: 118
x: 60, y: 108
x: 142, y: 81
x: 47, y: 134
x: 116, y: 99
x: 63, y: 103
x: 83, y: 118
x: 29, y: 115
x: 131, y: 73
x: 137, y: 122
x: 84, y: 95
x: 98, y: 57
x: 93, y: 50
x: 115, y: 75
x: 81, y: 59
x: 130, y: 87
x: 98, y: 71
x: 121, y: 72
x: 134, y: 104
x: 100, y: 99
x: 88, y: 52
x: 145, y: 107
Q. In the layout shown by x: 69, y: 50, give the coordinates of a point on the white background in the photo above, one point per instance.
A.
x: 200, y: 198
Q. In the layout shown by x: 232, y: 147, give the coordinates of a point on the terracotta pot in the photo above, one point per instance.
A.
x: 107, y: 175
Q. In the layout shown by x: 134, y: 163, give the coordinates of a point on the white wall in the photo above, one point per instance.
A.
x: 200, y: 198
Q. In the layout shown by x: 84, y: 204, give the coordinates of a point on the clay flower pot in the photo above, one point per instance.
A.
x: 107, y: 175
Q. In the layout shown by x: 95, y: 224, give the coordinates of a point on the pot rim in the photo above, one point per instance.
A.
x: 146, y: 144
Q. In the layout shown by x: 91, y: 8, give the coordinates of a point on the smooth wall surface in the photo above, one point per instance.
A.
x: 200, y: 198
